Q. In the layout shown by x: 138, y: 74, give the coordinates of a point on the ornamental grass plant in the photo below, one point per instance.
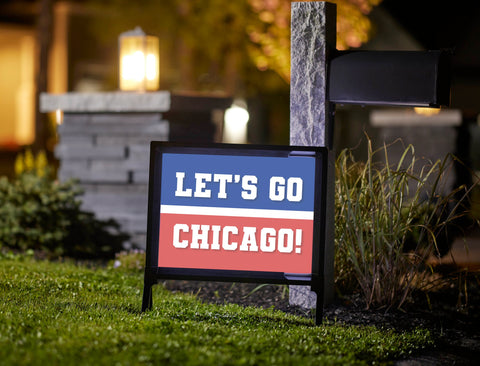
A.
x: 389, y: 220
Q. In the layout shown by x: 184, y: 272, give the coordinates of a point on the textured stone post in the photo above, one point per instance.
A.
x: 313, y: 37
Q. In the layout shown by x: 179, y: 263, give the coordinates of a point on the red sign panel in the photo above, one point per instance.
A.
x: 234, y: 243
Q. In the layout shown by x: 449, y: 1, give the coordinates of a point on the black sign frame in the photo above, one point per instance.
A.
x: 153, y: 273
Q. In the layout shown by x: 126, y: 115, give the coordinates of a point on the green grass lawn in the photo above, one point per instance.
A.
x: 60, y: 313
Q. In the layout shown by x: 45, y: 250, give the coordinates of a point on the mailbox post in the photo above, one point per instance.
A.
x: 322, y: 77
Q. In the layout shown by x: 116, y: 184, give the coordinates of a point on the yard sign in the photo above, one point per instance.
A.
x: 235, y: 213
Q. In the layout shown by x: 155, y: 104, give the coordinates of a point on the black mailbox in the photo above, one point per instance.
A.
x: 408, y: 78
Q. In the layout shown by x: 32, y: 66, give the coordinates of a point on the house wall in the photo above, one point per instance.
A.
x: 17, y: 90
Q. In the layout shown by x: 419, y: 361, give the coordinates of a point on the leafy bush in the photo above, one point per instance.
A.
x: 389, y: 219
x: 41, y: 214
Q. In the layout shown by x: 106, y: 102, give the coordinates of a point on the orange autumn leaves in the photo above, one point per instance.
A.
x: 270, y: 32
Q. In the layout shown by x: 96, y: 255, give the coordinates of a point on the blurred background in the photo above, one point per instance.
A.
x: 234, y: 49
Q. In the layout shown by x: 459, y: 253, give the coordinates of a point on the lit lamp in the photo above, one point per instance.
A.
x: 139, y: 61
x: 426, y: 111
x: 236, y: 120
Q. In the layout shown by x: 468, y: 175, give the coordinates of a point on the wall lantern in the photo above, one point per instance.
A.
x: 139, y: 61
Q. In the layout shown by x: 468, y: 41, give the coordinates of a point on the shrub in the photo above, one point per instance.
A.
x: 389, y: 219
x: 41, y: 214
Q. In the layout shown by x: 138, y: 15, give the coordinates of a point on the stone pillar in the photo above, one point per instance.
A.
x: 104, y: 143
x: 313, y: 35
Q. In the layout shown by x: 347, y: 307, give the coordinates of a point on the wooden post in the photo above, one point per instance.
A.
x: 313, y: 38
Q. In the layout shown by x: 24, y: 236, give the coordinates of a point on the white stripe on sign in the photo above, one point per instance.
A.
x: 234, y: 212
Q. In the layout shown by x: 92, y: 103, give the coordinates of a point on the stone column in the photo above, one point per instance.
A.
x: 313, y: 37
x: 104, y: 143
